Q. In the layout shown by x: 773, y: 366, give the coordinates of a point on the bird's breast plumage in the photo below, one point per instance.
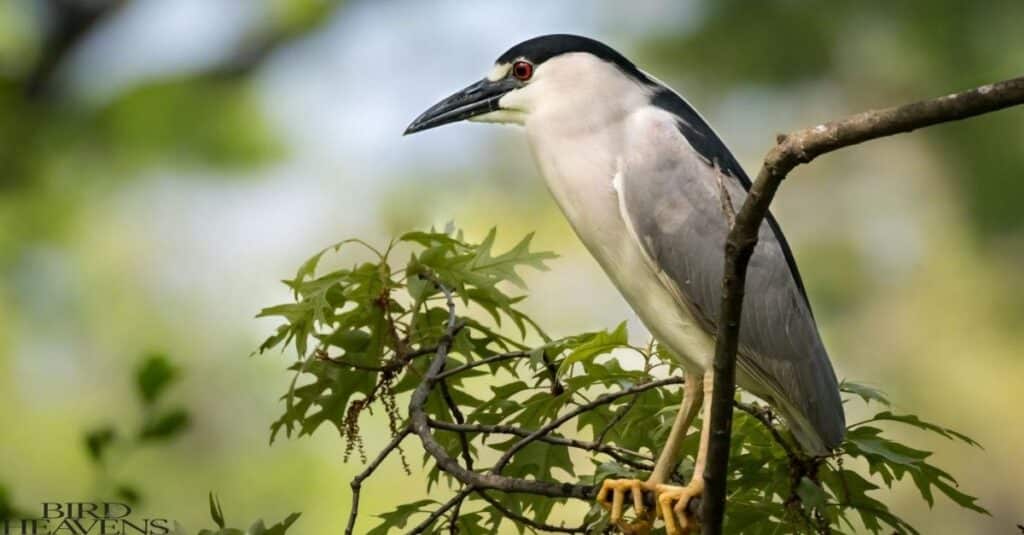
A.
x: 585, y: 172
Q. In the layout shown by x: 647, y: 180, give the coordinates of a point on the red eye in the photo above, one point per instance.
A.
x: 522, y: 70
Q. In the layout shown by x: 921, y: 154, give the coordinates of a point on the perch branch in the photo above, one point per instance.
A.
x: 792, y: 150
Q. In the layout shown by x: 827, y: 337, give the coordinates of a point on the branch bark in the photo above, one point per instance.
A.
x: 792, y: 150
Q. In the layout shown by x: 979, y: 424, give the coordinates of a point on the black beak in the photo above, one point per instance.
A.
x: 479, y: 98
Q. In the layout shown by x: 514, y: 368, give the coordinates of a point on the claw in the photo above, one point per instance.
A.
x: 617, y: 489
x: 672, y: 502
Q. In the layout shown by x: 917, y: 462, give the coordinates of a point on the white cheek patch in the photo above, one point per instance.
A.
x: 499, y: 72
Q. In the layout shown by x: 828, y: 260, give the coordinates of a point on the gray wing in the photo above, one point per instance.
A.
x: 675, y: 204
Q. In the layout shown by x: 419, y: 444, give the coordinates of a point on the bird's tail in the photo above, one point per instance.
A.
x: 816, y: 417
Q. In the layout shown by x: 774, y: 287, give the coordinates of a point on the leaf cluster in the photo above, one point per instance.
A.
x: 364, y: 336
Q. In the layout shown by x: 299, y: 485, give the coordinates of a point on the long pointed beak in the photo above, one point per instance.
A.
x: 479, y: 98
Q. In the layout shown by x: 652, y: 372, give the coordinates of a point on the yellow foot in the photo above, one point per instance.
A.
x: 612, y: 497
x: 672, y: 502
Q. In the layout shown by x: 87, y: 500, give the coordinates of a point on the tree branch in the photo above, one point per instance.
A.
x: 597, y: 402
x: 453, y: 502
x: 790, y: 151
x: 619, y: 454
x: 500, y: 357
x: 473, y: 480
x: 357, y: 482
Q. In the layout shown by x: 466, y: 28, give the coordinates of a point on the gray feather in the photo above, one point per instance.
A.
x: 675, y: 204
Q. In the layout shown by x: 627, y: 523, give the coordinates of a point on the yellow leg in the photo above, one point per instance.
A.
x: 673, y: 449
x: 672, y: 500
x: 612, y: 495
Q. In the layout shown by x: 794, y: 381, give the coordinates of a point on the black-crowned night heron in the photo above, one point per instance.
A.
x: 650, y: 189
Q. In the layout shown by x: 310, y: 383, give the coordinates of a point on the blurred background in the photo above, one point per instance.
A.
x: 164, y: 163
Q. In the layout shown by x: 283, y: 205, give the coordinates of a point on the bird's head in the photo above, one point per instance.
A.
x: 562, y: 77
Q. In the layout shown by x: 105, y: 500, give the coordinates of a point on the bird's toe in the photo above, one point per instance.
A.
x: 613, y: 497
x: 672, y: 507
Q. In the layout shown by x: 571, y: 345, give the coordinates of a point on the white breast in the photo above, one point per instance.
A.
x: 582, y: 168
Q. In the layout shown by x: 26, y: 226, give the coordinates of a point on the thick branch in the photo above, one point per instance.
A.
x: 792, y: 150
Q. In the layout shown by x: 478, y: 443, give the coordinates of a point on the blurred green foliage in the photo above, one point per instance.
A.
x: 108, y: 446
x: 56, y: 148
x: 361, y: 335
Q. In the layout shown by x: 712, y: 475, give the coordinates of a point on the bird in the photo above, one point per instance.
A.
x: 651, y: 190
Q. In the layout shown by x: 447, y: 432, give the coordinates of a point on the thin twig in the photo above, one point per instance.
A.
x: 357, y: 482
x: 467, y: 457
x: 392, y: 365
x: 455, y: 500
x: 790, y: 151
x: 600, y: 400
x: 618, y: 453
x: 539, y: 526
x: 482, y: 362
x: 459, y: 419
x: 764, y: 415
x: 615, y: 420
x: 556, y: 386
x: 453, y: 519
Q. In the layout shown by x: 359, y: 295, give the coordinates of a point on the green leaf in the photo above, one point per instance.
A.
x: 324, y: 400
x: 154, y: 375
x: 216, y: 513
x: 868, y: 440
x: 811, y: 494
x: 128, y: 493
x: 165, y: 425
x: 866, y: 393
x: 912, y: 420
x: 277, y: 529
x: 98, y: 440
x: 7, y: 508
x: 601, y: 343
x: 399, y: 517
x: 504, y: 265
